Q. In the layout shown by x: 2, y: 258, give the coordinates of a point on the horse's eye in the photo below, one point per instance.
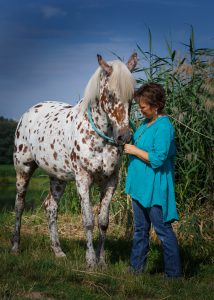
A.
x: 111, y: 97
x: 130, y: 106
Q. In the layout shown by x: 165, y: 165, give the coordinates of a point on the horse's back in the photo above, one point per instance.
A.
x: 45, y: 110
x: 38, y: 116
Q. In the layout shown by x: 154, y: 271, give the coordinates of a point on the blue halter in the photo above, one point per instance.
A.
x: 111, y: 140
x: 96, y: 129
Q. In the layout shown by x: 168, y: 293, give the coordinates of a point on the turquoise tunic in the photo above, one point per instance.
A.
x: 153, y: 183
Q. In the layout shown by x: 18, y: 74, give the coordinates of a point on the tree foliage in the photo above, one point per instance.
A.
x: 7, y: 132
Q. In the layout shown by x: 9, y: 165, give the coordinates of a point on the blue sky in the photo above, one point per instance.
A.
x: 48, y: 47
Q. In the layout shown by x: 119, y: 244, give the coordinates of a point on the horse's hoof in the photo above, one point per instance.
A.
x: 102, y: 265
x: 91, y: 261
x: 58, y: 251
x: 92, y: 265
x: 15, y: 251
x: 60, y: 254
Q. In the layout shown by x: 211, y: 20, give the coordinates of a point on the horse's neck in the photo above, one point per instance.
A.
x: 99, y: 117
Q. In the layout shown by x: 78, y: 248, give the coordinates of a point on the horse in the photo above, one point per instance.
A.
x: 82, y: 143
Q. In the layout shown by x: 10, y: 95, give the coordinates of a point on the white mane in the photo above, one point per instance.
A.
x: 121, y: 82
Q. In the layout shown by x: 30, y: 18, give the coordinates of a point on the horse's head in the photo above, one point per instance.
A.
x: 116, y: 93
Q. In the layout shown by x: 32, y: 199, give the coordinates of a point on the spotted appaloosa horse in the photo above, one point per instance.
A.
x: 61, y: 140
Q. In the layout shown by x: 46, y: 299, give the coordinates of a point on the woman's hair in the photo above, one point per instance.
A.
x: 153, y: 94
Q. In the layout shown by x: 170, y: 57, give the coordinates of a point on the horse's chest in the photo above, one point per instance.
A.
x: 102, y: 161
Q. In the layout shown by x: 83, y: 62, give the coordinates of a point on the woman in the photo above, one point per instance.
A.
x: 150, y: 181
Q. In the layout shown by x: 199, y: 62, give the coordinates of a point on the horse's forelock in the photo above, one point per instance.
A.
x: 121, y: 82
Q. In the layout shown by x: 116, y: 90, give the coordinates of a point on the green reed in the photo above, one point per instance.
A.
x: 189, y: 83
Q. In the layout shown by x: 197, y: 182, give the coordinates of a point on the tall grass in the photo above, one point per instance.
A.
x: 189, y: 83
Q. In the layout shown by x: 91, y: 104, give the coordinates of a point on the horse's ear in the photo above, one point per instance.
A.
x: 104, y: 65
x: 132, y: 62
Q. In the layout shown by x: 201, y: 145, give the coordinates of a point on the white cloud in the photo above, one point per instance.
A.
x: 49, y: 11
x: 184, y: 3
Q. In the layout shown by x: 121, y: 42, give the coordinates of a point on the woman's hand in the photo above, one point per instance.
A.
x: 130, y: 149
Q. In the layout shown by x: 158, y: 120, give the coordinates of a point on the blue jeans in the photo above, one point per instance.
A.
x: 143, y: 217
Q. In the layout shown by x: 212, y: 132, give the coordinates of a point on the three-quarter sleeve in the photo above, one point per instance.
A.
x: 161, y: 146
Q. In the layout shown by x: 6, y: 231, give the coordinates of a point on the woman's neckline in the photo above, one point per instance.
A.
x: 158, y: 118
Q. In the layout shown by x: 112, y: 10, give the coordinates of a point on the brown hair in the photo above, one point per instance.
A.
x: 153, y: 93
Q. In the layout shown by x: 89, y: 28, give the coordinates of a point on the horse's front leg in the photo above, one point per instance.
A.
x: 83, y: 182
x: 103, y: 218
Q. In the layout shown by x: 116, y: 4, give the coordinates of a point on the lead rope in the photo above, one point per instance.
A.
x: 208, y: 137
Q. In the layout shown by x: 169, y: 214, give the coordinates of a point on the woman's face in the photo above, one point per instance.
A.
x: 147, y: 110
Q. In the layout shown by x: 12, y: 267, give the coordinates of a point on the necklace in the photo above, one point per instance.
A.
x: 140, y: 135
x: 143, y: 130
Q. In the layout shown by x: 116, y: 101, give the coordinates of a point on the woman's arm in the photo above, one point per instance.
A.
x: 159, y: 152
x: 131, y: 149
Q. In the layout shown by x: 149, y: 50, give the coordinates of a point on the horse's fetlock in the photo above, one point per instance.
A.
x: 89, y: 226
x: 104, y: 227
x: 103, y: 223
x: 19, y: 205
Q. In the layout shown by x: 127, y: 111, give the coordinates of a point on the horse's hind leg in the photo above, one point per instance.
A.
x: 57, y: 188
x: 23, y: 175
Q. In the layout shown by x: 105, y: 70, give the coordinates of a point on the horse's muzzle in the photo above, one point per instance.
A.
x: 124, y: 138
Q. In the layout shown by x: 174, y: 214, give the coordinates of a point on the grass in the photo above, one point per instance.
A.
x: 37, y: 273
x: 38, y: 188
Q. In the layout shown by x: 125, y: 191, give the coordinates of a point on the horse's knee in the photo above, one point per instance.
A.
x: 22, y: 180
x: 51, y: 212
x: 88, y: 218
